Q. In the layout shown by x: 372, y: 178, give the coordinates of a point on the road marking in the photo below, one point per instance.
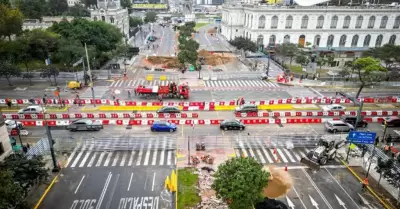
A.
x: 130, y: 181
x: 163, y: 152
x: 108, y: 159
x: 154, y: 179
x: 100, y: 159
x: 123, y: 159
x: 77, y: 188
x: 284, y: 159
x: 267, y: 155
x: 115, y: 159
x: 46, y: 192
x: 296, y: 156
x: 302, y: 154
x: 92, y: 159
x: 301, y: 201
x: 155, y: 152
x: 261, y: 156
x: 71, y: 156
x: 77, y: 157
x: 112, y: 192
x: 169, y: 159
x: 139, y: 159
x: 317, y: 92
x: 342, y: 188
x: 289, y: 155
x: 147, y: 156
x: 131, y: 158
x: 317, y: 189
x: 103, y: 192
x: 86, y: 156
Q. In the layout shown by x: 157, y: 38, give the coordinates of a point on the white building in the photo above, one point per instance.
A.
x: 110, y: 11
x: 5, y: 146
x: 72, y: 3
x: 347, y: 30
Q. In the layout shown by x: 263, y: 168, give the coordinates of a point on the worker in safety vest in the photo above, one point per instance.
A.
x: 365, y: 183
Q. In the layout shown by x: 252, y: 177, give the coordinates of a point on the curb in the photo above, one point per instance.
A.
x: 369, y: 188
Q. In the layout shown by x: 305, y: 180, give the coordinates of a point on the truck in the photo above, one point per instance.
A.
x: 181, y: 91
x: 325, y: 151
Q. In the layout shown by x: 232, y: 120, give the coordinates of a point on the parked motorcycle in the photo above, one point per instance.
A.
x: 200, y: 146
x: 195, y: 160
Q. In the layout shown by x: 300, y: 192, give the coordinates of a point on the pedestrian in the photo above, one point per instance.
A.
x: 28, y: 145
x: 44, y: 100
x: 63, y: 102
x: 113, y: 96
x: 365, y: 184
x: 54, y: 101
x: 24, y: 149
x: 129, y: 94
x: 389, y: 139
x: 160, y: 98
x: 9, y: 103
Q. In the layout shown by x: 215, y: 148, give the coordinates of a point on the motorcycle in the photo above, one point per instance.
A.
x: 200, y: 147
x: 195, y: 160
x: 207, y: 159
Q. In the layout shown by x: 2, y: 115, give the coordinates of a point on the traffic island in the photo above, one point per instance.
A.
x: 187, y: 188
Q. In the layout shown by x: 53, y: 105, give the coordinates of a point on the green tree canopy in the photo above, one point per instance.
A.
x: 244, y: 43
x: 69, y: 52
x: 367, y: 69
x: 302, y: 59
x: 32, y: 9
x: 10, y: 21
x: 12, y: 195
x: 135, y: 22
x: 41, y: 43
x: 240, y: 182
x: 186, y: 56
x: 5, y: 2
x: 8, y: 70
x: 288, y: 50
x: 57, y: 7
x: 387, y: 53
x: 126, y: 4
x: 190, y: 45
x: 150, y: 17
x: 78, y: 11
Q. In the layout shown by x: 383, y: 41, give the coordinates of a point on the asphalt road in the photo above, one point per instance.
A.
x: 365, y: 93
x: 109, y: 188
x: 330, y: 188
x: 208, y: 42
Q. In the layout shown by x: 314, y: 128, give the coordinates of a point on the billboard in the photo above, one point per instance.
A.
x: 149, y: 6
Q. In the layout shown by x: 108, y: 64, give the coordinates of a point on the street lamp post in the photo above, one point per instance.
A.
x: 90, y: 75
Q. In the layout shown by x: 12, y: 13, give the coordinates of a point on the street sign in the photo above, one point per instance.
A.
x: 359, y: 137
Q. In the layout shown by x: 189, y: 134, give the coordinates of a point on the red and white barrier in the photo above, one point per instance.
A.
x: 306, y: 100
x: 318, y: 113
x: 100, y: 115
x: 136, y: 122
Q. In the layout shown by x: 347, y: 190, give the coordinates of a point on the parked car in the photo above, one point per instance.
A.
x: 392, y: 121
x: 334, y: 107
x: 338, y: 126
x: 169, y: 109
x: 246, y: 108
x: 85, y: 125
x: 352, y: 120
x: 32, y: 110
x: 163, y: 126
x: 232, y: 125
x: 10, y: 124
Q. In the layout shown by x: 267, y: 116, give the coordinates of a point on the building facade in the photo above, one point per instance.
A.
x: 5, y: 146
x: 110, y: 11
x: 339, y: 29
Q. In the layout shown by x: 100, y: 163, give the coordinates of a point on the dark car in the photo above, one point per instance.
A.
x: 352, y: 120
x: 232, y: 125
x: 392, y: 121
x: 246, y: 108
x: 163, y: 126
x: 169, y: 109
x: 85, y: 125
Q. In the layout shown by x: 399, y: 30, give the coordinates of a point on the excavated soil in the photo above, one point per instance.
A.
x: 164, y: 62
x: 216, y: 58
x: 279, y: 184
x: 212, y: 30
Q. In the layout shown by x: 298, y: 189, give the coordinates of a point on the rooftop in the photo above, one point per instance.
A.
x: 314, y: 8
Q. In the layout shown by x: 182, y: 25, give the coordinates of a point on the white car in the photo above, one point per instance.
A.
x: 34, y: 109
x: 10, y: 124
x: 333, y: 107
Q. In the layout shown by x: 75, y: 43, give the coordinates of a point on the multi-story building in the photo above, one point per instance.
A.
x: 344, y: 30
x: 5, y: 146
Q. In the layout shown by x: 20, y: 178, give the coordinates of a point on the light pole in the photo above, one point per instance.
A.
x: 90, y: 75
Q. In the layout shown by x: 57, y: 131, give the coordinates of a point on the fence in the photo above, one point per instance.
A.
x: 42, y: 147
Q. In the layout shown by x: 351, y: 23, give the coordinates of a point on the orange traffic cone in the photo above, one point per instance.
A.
x: 277, y: 159
x: 285, y: 167
x: 274, y: 151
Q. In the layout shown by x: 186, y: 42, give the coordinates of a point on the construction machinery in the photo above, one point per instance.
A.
x: 325, y: 151
x: 171, y: 91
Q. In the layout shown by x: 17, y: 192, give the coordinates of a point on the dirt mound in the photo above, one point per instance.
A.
x: 279, y: 183
x: 212, y: 30
x: 168, y: 62
x: 215, y: 58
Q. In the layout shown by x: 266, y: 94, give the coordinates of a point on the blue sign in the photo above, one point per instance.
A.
x: 218, y: 20
x: 359, y: 137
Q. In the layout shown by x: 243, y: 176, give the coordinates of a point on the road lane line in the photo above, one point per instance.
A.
x: 71, y: 156
x: 302, y: 154
x: 261, y: 156
x: 169, y: 159
x: 115, y: 159
x: 301, y: 201
x: 155, y: 152
x: 108, y: 159
x: 46, y: 191
x: 139, y: 159
x: 100, y: 159
x: 92, y: 159
x: 163, y: 152
x: 112, y: 192
x: 317, y: 92
x: 289, y: 155
x: 130, y: 181
x: 284, y: 159
x: 123, y: 159
x: 77, y: 188
x: 78, y: 157
x: 147, y: 156
x: 342, y: 188
x: 267, y: 155
x: 131, y: 158
x: 296, y: 156
x: 154, y: 179
x: 317, y: 189
x: 86, y: 156
x: 103, y: 192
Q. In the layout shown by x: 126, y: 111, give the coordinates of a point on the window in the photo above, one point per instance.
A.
x: 286, y: 39
x: 367, y: 40
x: 384, y: 21
x: 334, y: 21
x: 237, y: 30
x: 396, y: 23
x: 330, y: 40
x: 111, y: 19
x: 94, y: 18
x: 320, y: 22
x: 378, y: 42
x: 289, y: 22
x: 260, y: 40
x: 359, y: 21
x: 274, y: 22
x: 317, y: 39
x: 371, y: 22
x: 103, y: 18
x: 346, y: 22
x: 354, y: 41
x: 342, y: 41
x: 272, y: 39
x: 392, y: 40
x: 304, y: 22
x: 261, y: 22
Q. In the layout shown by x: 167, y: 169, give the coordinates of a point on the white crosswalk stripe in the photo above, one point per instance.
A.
x: 135, y: 83
x: 240, y: 83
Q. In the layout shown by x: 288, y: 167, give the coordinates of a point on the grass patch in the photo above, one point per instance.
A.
x: 299, y: 70
x: 199, y: 25
x: 187, y: 192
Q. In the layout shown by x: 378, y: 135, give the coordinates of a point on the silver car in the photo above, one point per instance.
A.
x: 338, y: 126
x: 85, y: 125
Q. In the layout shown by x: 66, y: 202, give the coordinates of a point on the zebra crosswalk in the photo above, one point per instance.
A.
x: 135, y: 83
x: 88, y: 157
x: 269, y: 155
x: 241, y: 83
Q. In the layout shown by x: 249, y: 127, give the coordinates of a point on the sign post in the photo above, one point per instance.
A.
x: 359, y: 137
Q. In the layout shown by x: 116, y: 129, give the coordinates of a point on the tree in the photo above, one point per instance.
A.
x: 25, y: 172
x: 89, y: 3
x: 41, y: 43
x: 302, y: 59
x: 321, y: 61
x: 135, y: 22
x: 244, y: 43
x: 367, y: 69
x: 126, y: 4
x: 78, y: 11
x: 12, y: 195
x: 8, y: 70
x: 32, y: 9
x: 150, y: 17
x: 240, y: 182
x: 5, y: 2
x: 10, y: 21
x: 57, y: 7
x: 69, y: 52
x: 387, y: 53
x: 287, y: 50
x: 190, y: 57
x: 383, y: 166
x: 190, y: 45
x: 50, y: 71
